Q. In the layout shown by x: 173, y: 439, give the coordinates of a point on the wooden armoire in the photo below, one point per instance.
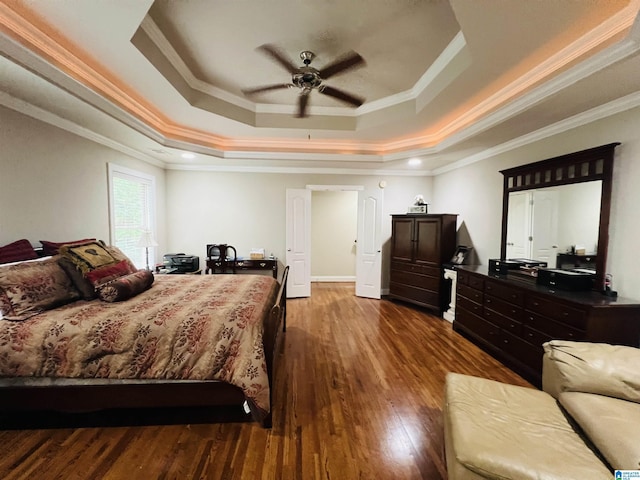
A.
x: 420, y: 244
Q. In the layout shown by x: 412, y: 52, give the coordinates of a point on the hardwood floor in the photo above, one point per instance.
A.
x: 358, y: 396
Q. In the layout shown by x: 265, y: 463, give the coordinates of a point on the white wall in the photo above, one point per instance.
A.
x: 54, y: 186
x: 248, y: 209
x: 475, y: 192
x: 334, y: 228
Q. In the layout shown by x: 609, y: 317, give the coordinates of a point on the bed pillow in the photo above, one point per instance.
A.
x: 32, y: 287
x: 17, y: 251
x: 53, y: 248
x: 84, y: 286
x: 87, y: 256
x: 126, y: 287
x: 100, y: 276
x: 118, y: 255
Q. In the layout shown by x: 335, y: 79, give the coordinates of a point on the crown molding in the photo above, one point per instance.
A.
x: 598, y: 113
x: 298, y: 170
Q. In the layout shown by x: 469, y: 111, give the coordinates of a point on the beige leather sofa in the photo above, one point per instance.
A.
x: 583, y: 425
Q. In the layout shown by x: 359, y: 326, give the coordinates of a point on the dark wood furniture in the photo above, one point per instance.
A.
x: 420, y: 244
x: 221, y: 258
x: 511, y: 316
x: 584, y: 166
x: 230, y: 263
x: 82, y: 395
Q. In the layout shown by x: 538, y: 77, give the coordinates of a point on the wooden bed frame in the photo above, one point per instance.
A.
x: 84, y: 395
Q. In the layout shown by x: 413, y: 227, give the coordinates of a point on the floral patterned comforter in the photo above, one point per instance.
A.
x: 183, y: 327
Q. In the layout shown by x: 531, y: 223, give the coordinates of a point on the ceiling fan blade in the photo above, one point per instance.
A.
x: 340, y: 95
x: 346, y: 62
x: 275, y: 53
x: 302, y: 105
x: 266, y: 88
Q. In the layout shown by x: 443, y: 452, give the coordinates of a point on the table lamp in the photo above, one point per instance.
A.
x: 147, y: 241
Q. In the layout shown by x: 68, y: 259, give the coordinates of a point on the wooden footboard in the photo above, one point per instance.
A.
x: 82, y: 395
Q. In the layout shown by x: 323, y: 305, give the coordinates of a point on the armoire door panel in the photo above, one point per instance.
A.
x: 427, y: 238
x: 402, y: 240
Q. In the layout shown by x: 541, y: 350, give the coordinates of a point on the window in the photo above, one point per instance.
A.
x: 132, y: 208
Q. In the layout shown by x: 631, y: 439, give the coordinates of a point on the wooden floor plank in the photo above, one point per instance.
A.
x: 359, y: 394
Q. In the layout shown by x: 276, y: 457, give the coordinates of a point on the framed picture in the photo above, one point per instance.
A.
x: 460, y: 255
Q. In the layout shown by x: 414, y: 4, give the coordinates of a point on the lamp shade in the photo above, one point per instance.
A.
x: 147, y: 240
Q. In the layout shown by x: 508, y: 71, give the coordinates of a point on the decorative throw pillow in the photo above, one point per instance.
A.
x: 84, y: 286
x: 52, y: 248
x: 32, y: 287
x: 100, y: 276
x: 118, y: 255
x: 17, y: 251
x: 126, y: 287
x: 87, y: 256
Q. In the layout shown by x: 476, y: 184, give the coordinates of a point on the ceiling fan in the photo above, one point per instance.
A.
x: 307, y: 78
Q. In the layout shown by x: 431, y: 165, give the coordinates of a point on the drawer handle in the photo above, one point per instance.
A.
x: 263, y: 264
x: 511, y: 325
x: 513, y: 295
x: 530, y: 319
x: 570, y: 335
x: 489, y: 287
x: 488, y: 300
x: 566, y: 314
x: 505, y: 341
x: 530, y: 334
x: 513, y: 311
x: 536, y: 304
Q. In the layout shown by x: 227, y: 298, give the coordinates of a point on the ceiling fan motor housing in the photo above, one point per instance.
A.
x: 306, y: 78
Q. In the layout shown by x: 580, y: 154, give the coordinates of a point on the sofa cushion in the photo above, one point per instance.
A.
x: 496, y: 430
x: 126, y: 287
x: 32, y: 287
x: 610, y: 423
x: 17, y: 251
x: 599, y: 368
x: 53, y: 248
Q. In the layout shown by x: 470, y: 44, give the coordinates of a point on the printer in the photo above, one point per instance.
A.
x: 181, y: 263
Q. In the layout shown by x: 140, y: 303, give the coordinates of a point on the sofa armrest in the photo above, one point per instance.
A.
x: 599, y: 368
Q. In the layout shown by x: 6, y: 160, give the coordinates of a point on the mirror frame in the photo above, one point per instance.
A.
x: 578, y: 167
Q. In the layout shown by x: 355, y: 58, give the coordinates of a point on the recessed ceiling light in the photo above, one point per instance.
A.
x: 414, y: 162
x: 188, y: 155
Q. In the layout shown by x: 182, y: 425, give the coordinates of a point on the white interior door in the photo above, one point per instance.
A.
x: 298, y: 225
x: 369, y: 244
x: 519, y: 225
x: 544, y: 228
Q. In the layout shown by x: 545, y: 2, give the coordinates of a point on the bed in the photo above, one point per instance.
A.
x: 183, y: 340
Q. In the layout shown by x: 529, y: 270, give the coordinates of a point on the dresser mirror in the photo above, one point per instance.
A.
x: 557, y: 210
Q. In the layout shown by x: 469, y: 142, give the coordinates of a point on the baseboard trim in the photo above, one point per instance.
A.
x: 346, y: 278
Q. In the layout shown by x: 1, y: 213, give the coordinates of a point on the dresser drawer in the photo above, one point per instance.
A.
x: 505, y: 292
x: 419, y: 295
x: 419, y: 269
x: 467, y: 304
x: 551, y: 328
x: 415, y: 279
x: 470, y: 293
x: 508, y: 324
x: 478, y: 326
x: 535, y: 337
x: 557, y: 311
x: 524, y: 352
x: 505, y: 308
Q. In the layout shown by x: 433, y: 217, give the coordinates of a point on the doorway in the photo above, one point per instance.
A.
x: 368, y: 256
x: 334, y: 229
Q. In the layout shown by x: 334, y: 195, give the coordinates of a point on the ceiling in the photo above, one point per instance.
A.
x: 445, y: 82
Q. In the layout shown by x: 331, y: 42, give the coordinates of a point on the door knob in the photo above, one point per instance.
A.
x: 288, y: 249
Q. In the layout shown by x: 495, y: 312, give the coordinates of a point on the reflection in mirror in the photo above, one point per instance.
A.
x: 548, y: 224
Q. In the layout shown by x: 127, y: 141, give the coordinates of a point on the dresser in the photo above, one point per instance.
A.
x: 420, y: 244
x: 510, y: 316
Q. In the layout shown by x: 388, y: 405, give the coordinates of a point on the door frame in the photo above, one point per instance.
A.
x: 332, y: 187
